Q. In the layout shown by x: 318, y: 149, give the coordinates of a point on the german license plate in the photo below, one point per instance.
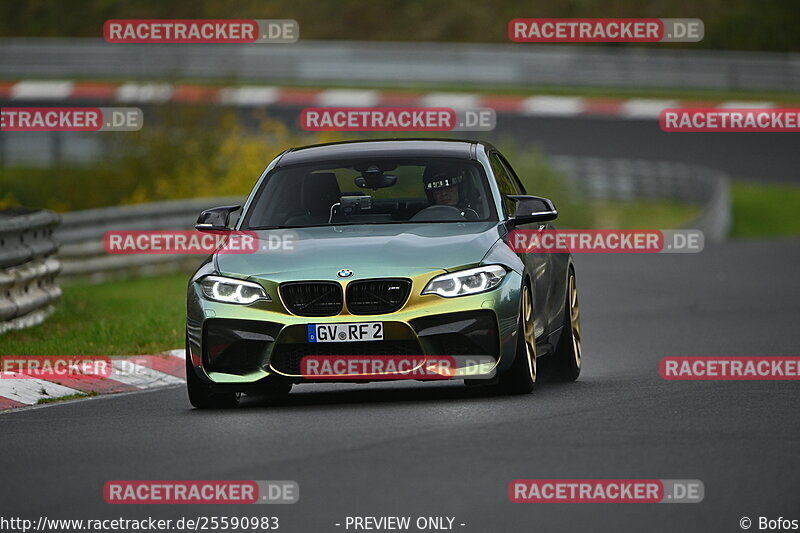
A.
x: 351, y: 332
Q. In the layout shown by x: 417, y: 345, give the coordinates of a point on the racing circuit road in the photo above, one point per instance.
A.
x: 751, y: 156
x: 766, y: 157
x: 438, y: 449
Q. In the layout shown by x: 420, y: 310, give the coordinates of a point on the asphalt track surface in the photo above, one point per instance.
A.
x: 767, y: 157
x: 750, y: 156
x: 438, y: 449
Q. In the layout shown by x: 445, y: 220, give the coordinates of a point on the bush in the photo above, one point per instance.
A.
x: 181, y: 152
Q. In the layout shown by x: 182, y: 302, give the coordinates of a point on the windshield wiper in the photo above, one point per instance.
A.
x: 362, y: 223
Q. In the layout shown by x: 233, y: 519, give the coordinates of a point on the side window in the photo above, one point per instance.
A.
x: 504, y: 182
x: 514, y: 178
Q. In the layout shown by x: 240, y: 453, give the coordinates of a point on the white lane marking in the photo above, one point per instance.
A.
x: 348, y: 98
x: 31, y: 390
x: 41, y: 90
x: 732, y: 104
x: 451, y: 100
x: 646, y: 107
x: 140, y: 376
x: 180, y: 352
x: 147, y: 92
x: 246, y: 96
x: 553, y: 105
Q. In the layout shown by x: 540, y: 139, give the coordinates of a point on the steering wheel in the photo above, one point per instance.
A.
x: 470, y: 214
x: 438, y: 213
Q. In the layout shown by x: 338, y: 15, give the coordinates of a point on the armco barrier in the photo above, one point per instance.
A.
x: 28, y: 267
x: 81, y: 237
x: 628, y: 179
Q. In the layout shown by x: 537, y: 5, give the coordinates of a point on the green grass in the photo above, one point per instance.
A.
x: 43, y: 401
x: 55, y: 188
x: 640, y: 214
x: 139, y: 316
x: 761, y: 210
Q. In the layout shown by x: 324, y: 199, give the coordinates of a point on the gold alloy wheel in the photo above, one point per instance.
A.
x: 575, y: 320
x: 528, y: 332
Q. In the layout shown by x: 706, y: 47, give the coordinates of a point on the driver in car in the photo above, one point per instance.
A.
x: 444, y: 187
x: 442, y: 192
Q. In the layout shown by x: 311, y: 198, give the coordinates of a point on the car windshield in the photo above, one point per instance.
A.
x: 372, y: 191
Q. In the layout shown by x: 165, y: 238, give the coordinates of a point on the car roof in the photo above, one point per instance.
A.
x: 455, y: 148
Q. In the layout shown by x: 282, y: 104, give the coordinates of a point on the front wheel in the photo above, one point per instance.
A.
x: 567, y: 357
x: 200, y: 394
x: 520, y: 378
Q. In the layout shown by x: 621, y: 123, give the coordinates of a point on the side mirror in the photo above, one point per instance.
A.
x: 532, y: 209
x: 216, y: 218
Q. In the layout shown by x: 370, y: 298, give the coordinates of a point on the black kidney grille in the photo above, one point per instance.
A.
x: 312, y: 298
x: 377, y: 296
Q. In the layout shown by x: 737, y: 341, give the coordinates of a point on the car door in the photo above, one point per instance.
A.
x: 537, y: 265
x: 555, y: 275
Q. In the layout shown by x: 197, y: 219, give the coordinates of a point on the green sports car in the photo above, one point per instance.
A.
x: 379, y: 249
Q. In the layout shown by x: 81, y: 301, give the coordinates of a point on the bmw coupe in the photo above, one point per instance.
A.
x: 385, y: 248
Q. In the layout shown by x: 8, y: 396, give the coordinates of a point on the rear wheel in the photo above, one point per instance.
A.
x: 200, y: 394
x: 566, y: 363
x: 520, y: 378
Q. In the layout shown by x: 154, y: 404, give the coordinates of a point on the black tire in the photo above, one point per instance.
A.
x: 200, y: 394
x: 566, y: 363
x: 521, y: 377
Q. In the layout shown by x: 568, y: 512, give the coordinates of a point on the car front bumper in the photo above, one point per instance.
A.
x: 241, y: 345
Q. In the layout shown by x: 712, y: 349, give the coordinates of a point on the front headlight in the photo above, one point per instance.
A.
x: 232, y: 291
x: 464, y: 282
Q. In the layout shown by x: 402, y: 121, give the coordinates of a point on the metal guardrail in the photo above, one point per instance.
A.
x: 28, y: 267
x: 363, y: 63
x: 628, y: 179
x: 81, y: 237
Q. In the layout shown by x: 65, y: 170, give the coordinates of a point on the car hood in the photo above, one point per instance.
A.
x: 380, y: 250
